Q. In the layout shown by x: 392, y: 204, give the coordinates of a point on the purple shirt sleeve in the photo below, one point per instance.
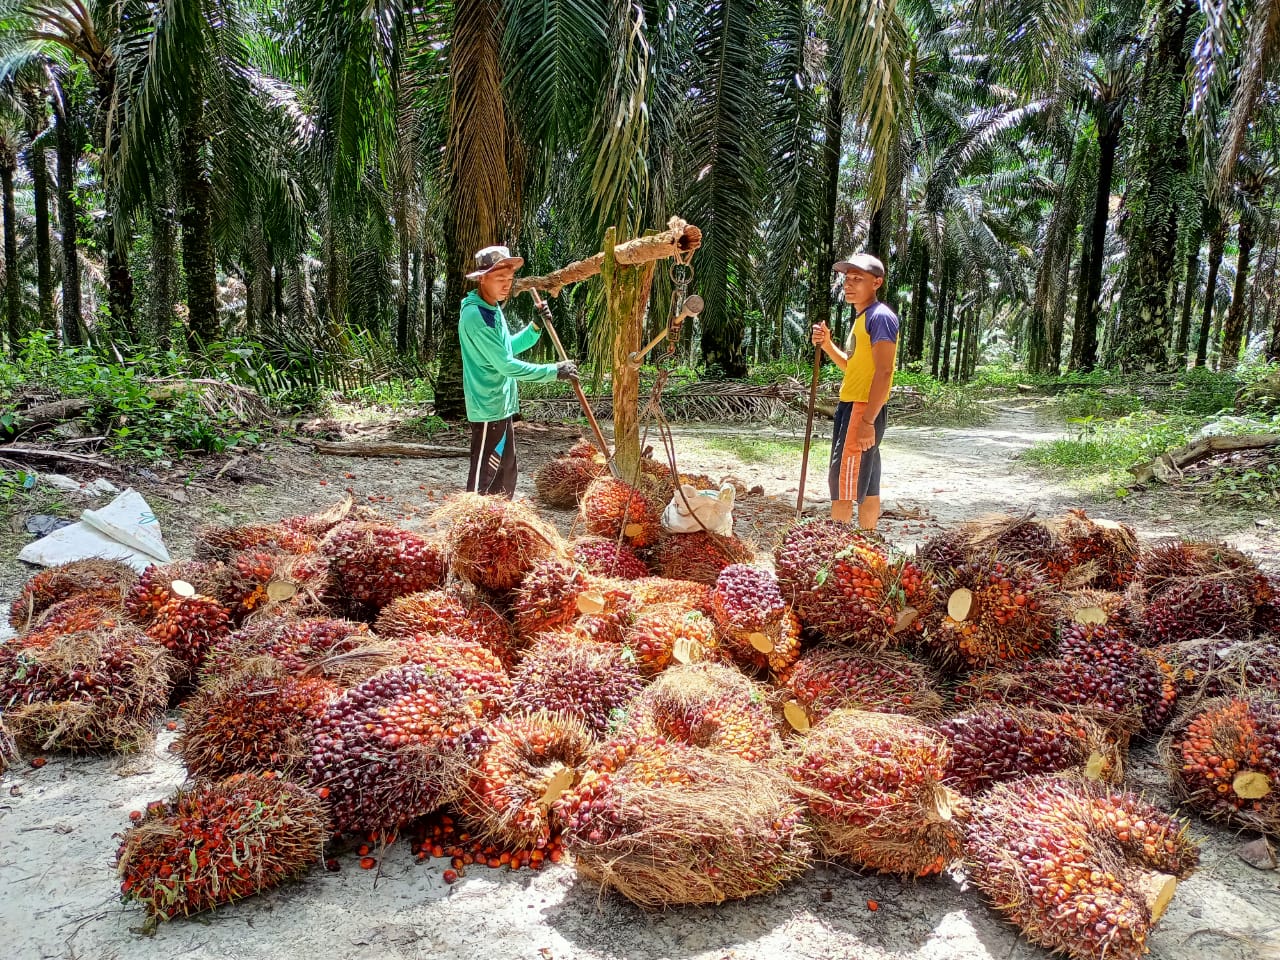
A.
x: 882, y: 324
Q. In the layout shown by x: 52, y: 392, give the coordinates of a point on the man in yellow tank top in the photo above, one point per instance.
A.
x: 854, y: 471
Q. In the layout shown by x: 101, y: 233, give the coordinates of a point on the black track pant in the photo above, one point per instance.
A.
x: 493, y: 458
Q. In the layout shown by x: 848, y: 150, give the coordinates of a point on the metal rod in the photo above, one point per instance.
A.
x: 635, y: 356
x: 808, y: 429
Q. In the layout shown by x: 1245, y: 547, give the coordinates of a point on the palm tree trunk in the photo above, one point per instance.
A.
x: 1159, y: 158
x: 1233, y: 328
x: 402, y: 295
x: 1188, y: 295
x: 961, y: 329
x: 1217, y: 240
x: 164, y: 263
x: 198, y: 261
x: 119, y: 283
x: 1109, y: 123
x: 944, y: 295
x: 919, y: 306
x: 12, y: 274
x: 67, y: 162
x: 946, y: 342
x: 39, y: 169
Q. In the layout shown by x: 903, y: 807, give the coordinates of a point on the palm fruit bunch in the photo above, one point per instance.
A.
x: 1107, y: 551
x: 321, y: 522
x: 603, y: 557
x: 386, y: 750
x: 1178, y: 561
x: 188, y: 626
x: 222, y: 543
x: 874, y: 786
x: 474, y: 668
x: 1220, y: 668
x: 519, y: 767
x: 831, y: 678
x: 105, y: 578
x: 219, y: 842
x: 920, y: 597
x: 263, y: 580
x: 452, y: 612
x: 1210, y: 606
x: 98, y: 609
x: 493, y: 542
x: 709, y: 706
x: 560, y: 483
x: 1075, y: 866
x: 1125, y: 668
x: 840, y: 582
x: 251, y: 719
x: 758, y: 628
x: 1021, y: 539
x: 1224, y: 759
x: 672, y: 824
x: 552, y: 595
x: 1267, y: 615
x: 300, y: 645
x: 698, y: 556
x: 561, y: 674
x: 373, y: 563
x: 998, y: 614
x: 995, y: 743
x: 89, y: 691
x: 613, y: 509
x: 650, y: 591
x: 663, y: 633
x: 161, y: 582
x: 1089, y: 607
x: 943, y: 553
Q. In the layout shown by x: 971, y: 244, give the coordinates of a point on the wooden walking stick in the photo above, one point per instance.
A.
x: 808, y: 429
x: 545, y: 310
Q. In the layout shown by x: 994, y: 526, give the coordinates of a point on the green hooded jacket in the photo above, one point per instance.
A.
x: 489, y: 366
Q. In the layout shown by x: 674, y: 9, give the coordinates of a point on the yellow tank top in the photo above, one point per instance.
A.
x: 861, y: 369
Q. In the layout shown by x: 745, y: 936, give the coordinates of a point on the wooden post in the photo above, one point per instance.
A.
x: 627, y: 292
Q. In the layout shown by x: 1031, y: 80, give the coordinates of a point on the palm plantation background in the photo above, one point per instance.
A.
x: 1068, y: 184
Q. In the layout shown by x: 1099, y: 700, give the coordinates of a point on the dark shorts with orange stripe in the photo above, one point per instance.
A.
x: 854, y: 474
x: 493, y: 458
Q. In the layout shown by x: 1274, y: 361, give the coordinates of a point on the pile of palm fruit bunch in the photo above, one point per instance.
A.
x: 682, y: 719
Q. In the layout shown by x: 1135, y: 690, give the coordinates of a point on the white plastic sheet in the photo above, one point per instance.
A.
x: 126, y: 529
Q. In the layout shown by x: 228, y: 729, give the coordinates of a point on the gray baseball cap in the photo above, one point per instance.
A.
x: 861, y: 261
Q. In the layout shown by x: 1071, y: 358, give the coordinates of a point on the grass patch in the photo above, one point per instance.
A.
x: 756, y: 449
x: 1096, y: 457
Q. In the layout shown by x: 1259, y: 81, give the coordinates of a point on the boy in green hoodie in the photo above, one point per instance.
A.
x: 490, y: 371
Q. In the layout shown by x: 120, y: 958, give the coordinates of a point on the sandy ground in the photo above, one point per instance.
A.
x: 57, y: 823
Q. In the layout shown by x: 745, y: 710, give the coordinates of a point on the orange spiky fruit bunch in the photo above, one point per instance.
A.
x: 222, y: 543
x: 996, y: 743
x: 831, y: 678
x: 493, y: 542
x: 188, y: 627
x: 105, y: 578
x: 1208, y: 606
x: 592, y: 682
x: 673, y: 824
x: 698, y: 556
x: 451, y: 612
x: 997, y: 614
x: 1022, y: 539
x: 473, y: 667
x: 661, y: 591
x: 1218, y: 667
x: 709, y: 706
x: 560, y: 483
x: 386, y: 751
x: 874, y: 785
x: 660, y: 635
x: 520, y: 767
x: 1225, y: 761
x: 758, y: 628
x: 261, y: 580
x: 254, y: 719
x: 161, y: 582
x: 299, y: 645
x: 219, y: 842
x: 373, y: 563
x: 90, y: 691
x: 919, y: 595
x: 840, y: 582
x: 552, y: 595
x: 613, y: 509
x: 1178, y: 561
x: 1075, y: 866
x: 1131, y: 676
x: 1108, y: 549
x: 93, y: 610
x: 607, y: 558
x: 321, y: 522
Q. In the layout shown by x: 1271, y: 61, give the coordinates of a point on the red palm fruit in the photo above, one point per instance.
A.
x: 254, y: 719
x: 841, y: 583
x: 263, y: 580
x: 493, y: 542
x: 1022, y: 539
x: 610, y: 508
x: 161, y: 582
x: 560, y: 483
x: 374, y: 563
x: 475, y: 669
x: 552, y: 595
x: 1076, y: 867
x: 188, y: 627
x: 453, y: 612
x: 920, y: 598
x: 998, y: 614
x: 321, y: 522
x: 1224, y: 759
x: 659, y: 635
x: 943, y: 553
x: 1087, y: 607
x: 519, y: 767
x: 672, y: 824
x: 603, y: 557
x: 827, y: 679
x: 90, y: 691
x: 387, y: 750
x: 747, y: 606
x: 219, y: 842
x: 1220, y: 667
x: 709, y: 706
x: 222, y: 543
x: 1106, y: 550
x: 699, y: 557
x: 874, y: 787
x: 1146, y: 681
x: 661, y: 591
x: 1208, y: 606
x: 593, y: 682
x: 1174, y: 562
x: 996, y: 743
x: 106, y: 578
x: 299, y: 645
x: 97, y: 609
x: 583, y: 448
